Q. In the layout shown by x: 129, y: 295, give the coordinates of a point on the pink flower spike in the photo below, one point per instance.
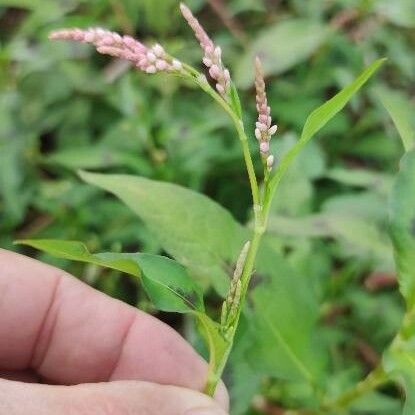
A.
x: 270, y: 161
x: 264, y: 147
x: 149, y: 60
x: 212, y: 54
x: 273, y: 130
x: 264, y: 129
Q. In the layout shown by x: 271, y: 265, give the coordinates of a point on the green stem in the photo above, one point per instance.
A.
x: 373, y: 380
x: 204, y: 85
x: 213, y: 378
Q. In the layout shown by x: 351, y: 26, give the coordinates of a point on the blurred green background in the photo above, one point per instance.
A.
x: 63, y: 107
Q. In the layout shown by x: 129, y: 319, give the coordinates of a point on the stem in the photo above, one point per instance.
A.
x: 213, y: 378
x: 203, y: 84
x: 373, y: 380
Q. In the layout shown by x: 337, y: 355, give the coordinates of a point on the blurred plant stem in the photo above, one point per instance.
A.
x: 221, y: 9
x: 372, y: 381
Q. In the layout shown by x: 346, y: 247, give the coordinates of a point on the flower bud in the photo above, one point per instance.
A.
x: 264, y: 147
x: 270, y: 161
x: 258, y: 134
x: 158, y: 50
x: 273, y: 130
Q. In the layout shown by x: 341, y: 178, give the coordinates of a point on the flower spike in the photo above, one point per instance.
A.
x: 232, y: 302
x: 212, y: 53
x: 149, y: 60
x: 264, y: 130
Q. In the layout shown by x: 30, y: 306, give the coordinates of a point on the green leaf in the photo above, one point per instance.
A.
x: 193, y: 229
x: 101, y: 157
x: 399, y: 359
x: 23, y: 4
x: 402, y: 226
x: 281, y: 47
x: 399, y: 363
x: 359, y: 237
x: 284, y: 322
x: 401, y: 110
x: 235, y: 101
x: 321, y: 116
x: 165, y: 281
x: 381, y: 182
x: 399, y: 12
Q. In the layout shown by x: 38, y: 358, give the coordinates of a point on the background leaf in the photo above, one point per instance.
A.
x: 280, y: 47
x: 401, y: 110
x: 284, y: 334
x: 402, y: 222
x: 284, y: 320
x: 399, y: 359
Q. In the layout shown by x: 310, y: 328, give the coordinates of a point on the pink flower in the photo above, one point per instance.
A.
x: 149, y: 60
x: 264, y: 130
x: 212, y: 54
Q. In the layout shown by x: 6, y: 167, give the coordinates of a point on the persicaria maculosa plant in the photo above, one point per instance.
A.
x: 171, y: 283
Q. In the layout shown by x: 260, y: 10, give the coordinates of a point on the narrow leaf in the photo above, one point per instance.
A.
x: 321, y: 116
x: 77, y: 251
x: 165, y: 281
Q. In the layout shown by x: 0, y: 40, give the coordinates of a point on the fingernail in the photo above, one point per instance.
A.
x: 204, y: 411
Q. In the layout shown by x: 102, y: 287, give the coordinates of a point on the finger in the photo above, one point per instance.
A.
x: 27, y: 376
x: 112, y: 398
x: 70, y: 333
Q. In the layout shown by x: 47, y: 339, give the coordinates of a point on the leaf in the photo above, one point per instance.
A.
x: 362, y: 178
x: 244, y: 381
x: 284, y: 322
x: 235, y: 101
x: 23, y: 4
x: 399, y: 363
x: 101, y: 157
x: 401, y: 110
x: 193, y: 229
x: 402, y: 226
x: 281, y: 47
x: 399, y: 359
x: 321, y: 116
x: 359, y: 237
x: 165, y: 281
x: 399, y: 12
x: 376, y: 403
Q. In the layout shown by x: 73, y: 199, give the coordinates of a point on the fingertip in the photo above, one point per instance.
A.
x: 204, y: 411
x: 222, y: 396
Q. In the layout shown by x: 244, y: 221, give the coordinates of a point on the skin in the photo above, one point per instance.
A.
x: 66, y: 348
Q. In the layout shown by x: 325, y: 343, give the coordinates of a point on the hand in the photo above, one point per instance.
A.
x: 58, y: 331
